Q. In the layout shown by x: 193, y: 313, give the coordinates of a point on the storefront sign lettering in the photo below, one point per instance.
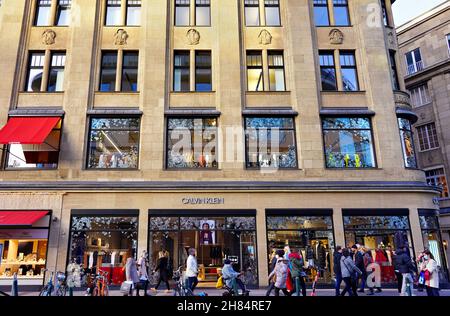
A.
x: 197, y: 201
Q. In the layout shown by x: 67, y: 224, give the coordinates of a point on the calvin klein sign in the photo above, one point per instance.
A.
x: 197, y: 201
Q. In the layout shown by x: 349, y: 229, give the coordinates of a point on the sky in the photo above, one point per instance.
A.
x: 406, y: 10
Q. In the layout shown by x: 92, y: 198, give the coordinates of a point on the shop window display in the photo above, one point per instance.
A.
x: 382, y: 235
x: 312, y: 236
x: 103, y: 243
x: 214, y: 238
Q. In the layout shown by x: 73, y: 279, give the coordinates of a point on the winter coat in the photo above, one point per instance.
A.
x: 348, y: 267
x: 131, y: 271
x: 403, y: 263
x: 162, y: 268
x: 143, y: 273
x: 337, y: 266
x: 191, y: 267
x: 229, y: 274
x: 431, y: 266
x: 295, y: 265
x: 359, y: 260
x: 309, y: 253
x: 280, y: 272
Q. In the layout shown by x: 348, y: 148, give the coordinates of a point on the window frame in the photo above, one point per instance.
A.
x: 329, y: 53
x: 252, y: 4
x: 123, y: 68
x: 272, y: 4
x: 435, y: 177
x: 276, y: 52
x: 416, y: 64
x: 354, y: 67
x: 182, y: 4
x: 197, y: 53
x: 411, y: 131
x: 48, y: 4
x: 320, y: 4
x: 102, y: 68
x: 428, y: 130
x: 135, y: 4
x: 341, y: 4
x: 202, y: 4
x: 420, y: 92
x: 29, y: 67
x: 114, y: 4
x: 51, y: 67
x: 68, y: 6
x: 394, y: 70
x: 187, y: 53
x: 247, y: 67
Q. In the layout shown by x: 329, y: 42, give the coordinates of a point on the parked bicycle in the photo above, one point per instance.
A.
x: 55, y: 285
x: 98, y: 284
x: 181, y: 289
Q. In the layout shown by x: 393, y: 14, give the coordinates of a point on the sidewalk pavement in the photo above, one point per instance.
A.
x: 255, y: 293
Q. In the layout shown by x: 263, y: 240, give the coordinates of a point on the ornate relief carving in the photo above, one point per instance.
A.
x: 336, y: 37
x: 121, y: 37
x: 265, y: 38
x: 402, y: 99
x: 391, y: 39
x: 48, y: 37
x: 423, y: 116
x: 193, y: 37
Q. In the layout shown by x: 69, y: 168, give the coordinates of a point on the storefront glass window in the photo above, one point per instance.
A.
x: 215, y: 238
x: 406, y: 135
x: 114, y: 143
x: 381, y: 235
x: 103, y: 243
x: 312, y: 236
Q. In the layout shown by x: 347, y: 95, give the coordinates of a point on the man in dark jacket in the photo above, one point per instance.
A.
x: 405, y: 266
x: 272, y: 265
x: 358, y: 257
x: 337, y: 269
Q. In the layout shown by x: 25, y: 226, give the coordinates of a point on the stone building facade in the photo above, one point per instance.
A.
x: 427, y: 78
x: 97, y: 91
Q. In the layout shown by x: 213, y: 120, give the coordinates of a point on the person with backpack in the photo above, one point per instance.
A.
x: 350, y: 273
x: 298, y: 275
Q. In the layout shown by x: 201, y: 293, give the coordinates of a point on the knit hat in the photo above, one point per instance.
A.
x: 227, y: 261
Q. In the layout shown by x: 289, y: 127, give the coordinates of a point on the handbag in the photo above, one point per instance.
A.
x: 422, y: 278
x: 126, y: 287
x: 219, y: 283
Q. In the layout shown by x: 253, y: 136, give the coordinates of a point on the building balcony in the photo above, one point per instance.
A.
x: 416, y: 67
x: 402, y: 99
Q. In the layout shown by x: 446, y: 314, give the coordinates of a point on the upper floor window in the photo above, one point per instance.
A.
x: 420, y: 95
x: 272, y: 10
x: 348, y: 142
x: 43, y: 75
x: 113, y: 143
x: 182, y: 12
x: 407, y: 139
x: 276, y: 71
x: 251, y: 8
x: 428, y: 138
x: 437, y: 177
x: 202, y: 76
x: 46, y: 16
x: 116, y: 78
x: 328, y: 71
x: 414, y: 61
x: 255, y: 73
x: 341, y: 14
x: 192, y: 143
x: 384, y: 12
x: 181, y: 76
x: 202, y: 12
x: 394, y: 72
x: 270, y: 142
x: 348, y: 71
x: 321, y: 15
x: 123, y: 12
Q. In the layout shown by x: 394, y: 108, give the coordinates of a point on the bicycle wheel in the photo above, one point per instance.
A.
x: 46, y: 291
x: 61, y: 291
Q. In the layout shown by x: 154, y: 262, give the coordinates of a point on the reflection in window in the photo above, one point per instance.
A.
x: 406, y: 135
x: 181, y: 75
x: 348, y: 142
x: 37, y: 156
x: 436, y: 177
x: 348, y: 71
x: 341, y: 15
x: 270, y: 142
x: 276, y: 71
x: 108, y: 71
x: 63, y: 12
x: 182, y: 12
x: 428, y: 138
x: 327, y: 71
x: 272, y: 8
x: 321, y: 17
x: 192, y: 143
x: 255, y: 79
x: 134, y: 12
x: 202, y: 12
x: 203, y: 75
x: 130, y: 71
x: 35, y: 72
x: 56, y: 76
x: 251, y: 8
x: 43, y: 10
x: 113, y: 13
x: 113, y: 143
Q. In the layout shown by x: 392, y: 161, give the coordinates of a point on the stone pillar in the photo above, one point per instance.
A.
x: 416, y: 231
x: 338, y: 226
x: 261, y: 252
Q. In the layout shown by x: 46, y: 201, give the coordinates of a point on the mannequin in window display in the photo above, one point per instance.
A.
x: 310, y: 256
x: 321, y: 255
x: 206, y: 235
x: 387, y: 271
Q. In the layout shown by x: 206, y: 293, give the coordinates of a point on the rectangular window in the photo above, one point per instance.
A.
x: 384, y: 12
x: 427, y: 137
x: 270, y: 142
x: 43, y: 11
x: 130, y: 71
x: 134, y: 12
x: 420, y: 95
x: 203, y: 75
x: 407, y: 138
x: 272, y: 8
x: 276, y: 71
x: 181, y: 73
x: 348, y: 142
x: 35, y: 72
x: 202, y: 12
x: 108, y: 72
x: 341, y: 14
x: 36, y: 156
x: 113, y: 12
x: 348, y: 71
x: 448, y: 43
x: 56, y: 75
x: 182, y: 12
x: 414, y: 61
x: 63, y: 12
x: 437, y: 177
x: 113, y: 143
x: 255, y: 78
x: 394, y: 73
x: 327, y: 71
x: 251, y: 8
x: 192, y: 143
x: 321, y: 16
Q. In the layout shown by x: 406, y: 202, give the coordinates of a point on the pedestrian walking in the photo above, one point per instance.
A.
x: 405, y: 266
x: 163, y: 267
x: 350, y: 273
x: 131, y: 274
x: 143, y: 273
x: 429, y: 267
x: 358, y: 258
x: 280, y: 272
x: 192, y: 269
x: 368, y: 260
x: 298, y: 275
x: 337, y: 269
x: 273, y: 262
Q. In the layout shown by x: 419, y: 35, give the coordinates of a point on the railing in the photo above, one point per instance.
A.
x: 418, y: 66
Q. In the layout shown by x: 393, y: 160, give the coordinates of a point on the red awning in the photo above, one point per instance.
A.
x: 20, y: 218
x: 27, y: 130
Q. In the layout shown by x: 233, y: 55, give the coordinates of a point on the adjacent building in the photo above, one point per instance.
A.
x: 296, y: 134
x: 424, y: 45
